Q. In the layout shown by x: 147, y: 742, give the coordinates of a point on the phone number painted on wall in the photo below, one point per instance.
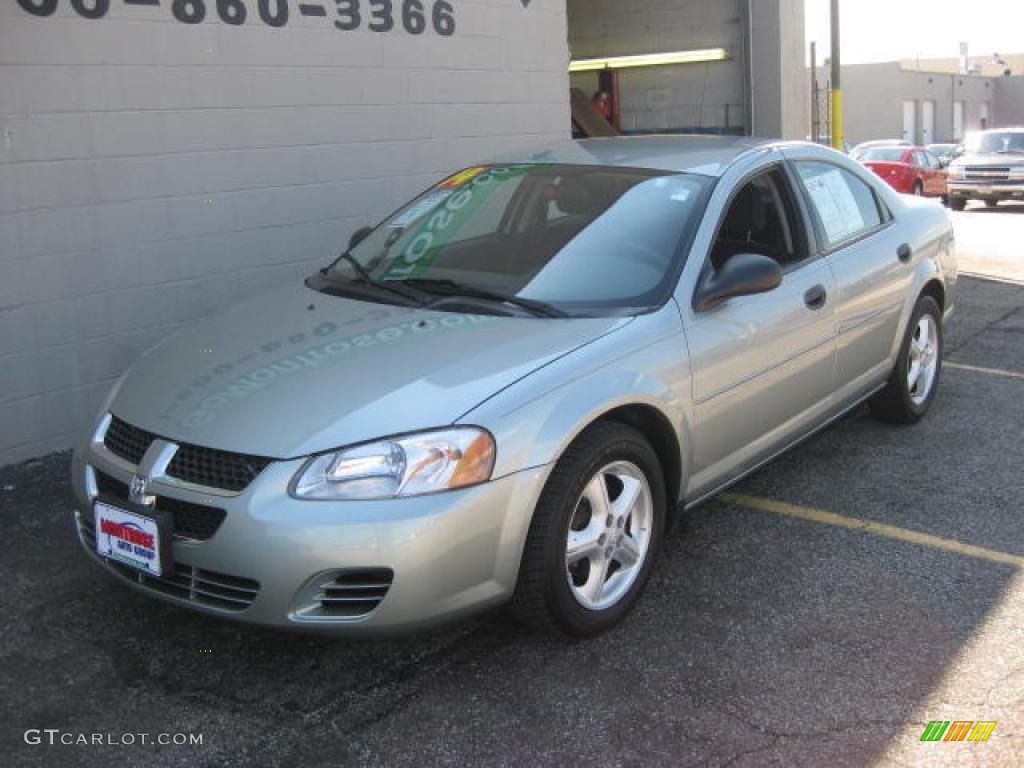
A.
x: 414, y: 16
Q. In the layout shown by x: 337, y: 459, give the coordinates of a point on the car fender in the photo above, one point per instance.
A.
x: 645, y: 364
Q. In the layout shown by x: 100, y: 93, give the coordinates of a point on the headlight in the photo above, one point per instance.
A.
x: 1017, y: 173
x: 958, y: 172
x: 409, y: 465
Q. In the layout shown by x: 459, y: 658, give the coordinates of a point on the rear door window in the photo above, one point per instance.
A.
x: 844, y: 207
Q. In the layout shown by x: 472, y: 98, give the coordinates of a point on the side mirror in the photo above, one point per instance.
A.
x: 358, y: 236
x: 745, y: 274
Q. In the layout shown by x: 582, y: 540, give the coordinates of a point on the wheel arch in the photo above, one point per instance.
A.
x: 936, y: 290
x: 656, y: 427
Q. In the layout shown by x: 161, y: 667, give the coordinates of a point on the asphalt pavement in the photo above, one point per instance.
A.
x: 830, y: 632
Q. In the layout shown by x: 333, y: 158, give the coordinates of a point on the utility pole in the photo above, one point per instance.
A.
x: 837, y: 92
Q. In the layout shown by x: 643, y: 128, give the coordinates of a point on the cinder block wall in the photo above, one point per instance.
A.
x: 153, y: 170
x: 677, y: 97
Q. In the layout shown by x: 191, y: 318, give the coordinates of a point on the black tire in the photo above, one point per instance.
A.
x: 894, y: 403
x: 958, y: 203
x: 990, y: 203
x: 543, y: 599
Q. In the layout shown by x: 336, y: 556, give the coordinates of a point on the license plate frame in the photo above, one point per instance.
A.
x: 122, y: 535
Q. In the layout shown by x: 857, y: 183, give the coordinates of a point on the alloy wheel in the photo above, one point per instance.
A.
x: 924, y: 359
x: 609, y: 535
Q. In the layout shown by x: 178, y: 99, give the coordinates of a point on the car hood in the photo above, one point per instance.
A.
x: 295, y: 372
x: 997, y: 161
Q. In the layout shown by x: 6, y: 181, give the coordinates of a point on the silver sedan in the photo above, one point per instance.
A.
x: 508, y: 390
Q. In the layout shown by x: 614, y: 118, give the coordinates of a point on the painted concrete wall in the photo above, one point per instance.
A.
x: 1010, y: 101
x: 152, y: 170
x: 779, y: 84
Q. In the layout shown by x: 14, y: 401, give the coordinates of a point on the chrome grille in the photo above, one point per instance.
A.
x: 191, y: 521
x: 353, y: 594
x: 987, y: 173
x: 209, y: 588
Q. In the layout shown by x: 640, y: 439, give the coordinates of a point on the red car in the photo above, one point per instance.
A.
x: 911, y: 170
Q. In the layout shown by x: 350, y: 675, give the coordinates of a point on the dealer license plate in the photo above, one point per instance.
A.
x: 128, y: 537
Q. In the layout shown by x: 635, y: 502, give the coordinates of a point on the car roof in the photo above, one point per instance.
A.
x: 706, y: 155
x: 883, y: 143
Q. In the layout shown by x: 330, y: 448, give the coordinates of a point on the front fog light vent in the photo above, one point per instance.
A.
x: 350, y: 594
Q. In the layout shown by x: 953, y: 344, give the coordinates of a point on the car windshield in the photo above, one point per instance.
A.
x: 996, y: 143
x: 882, y: 155
x: 581, y: 240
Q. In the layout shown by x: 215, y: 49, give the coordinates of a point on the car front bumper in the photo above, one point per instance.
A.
x: 974, y: 189
x: 419, y: 561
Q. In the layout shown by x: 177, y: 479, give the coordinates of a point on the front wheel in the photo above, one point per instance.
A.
x: 914, y: 380
x: 595, y: 535
x: 958, y: 203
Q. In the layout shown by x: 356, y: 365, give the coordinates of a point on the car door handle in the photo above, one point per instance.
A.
x: 904, y: 253
x: 816, y: 297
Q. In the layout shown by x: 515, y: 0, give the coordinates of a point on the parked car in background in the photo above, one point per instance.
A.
x: 507, y: 390
x: 857, y: 152
x: 991, y: 169
x: 945, y: 153
x: 910, y: 170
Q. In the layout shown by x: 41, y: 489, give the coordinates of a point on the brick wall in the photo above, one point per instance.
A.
x: 153, y: 170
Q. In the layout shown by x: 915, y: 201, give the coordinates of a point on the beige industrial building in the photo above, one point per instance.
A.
x: 927, y: 102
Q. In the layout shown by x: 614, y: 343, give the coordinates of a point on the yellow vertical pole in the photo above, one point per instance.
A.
x: 838, y: 137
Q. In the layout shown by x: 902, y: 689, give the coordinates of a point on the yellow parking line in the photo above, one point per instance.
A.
x: 991, y: 371
x: 878, y: 529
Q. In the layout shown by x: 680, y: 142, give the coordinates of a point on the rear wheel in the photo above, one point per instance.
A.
x: 914, y: 380
x: 991, y: 203
x: 595, y: 535
x: 958, y: 203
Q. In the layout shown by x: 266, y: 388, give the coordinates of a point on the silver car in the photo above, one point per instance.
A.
x: 508, y: 390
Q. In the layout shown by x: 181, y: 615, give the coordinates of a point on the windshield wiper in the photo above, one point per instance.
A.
x: 363, y: 277
x: 455, y: 288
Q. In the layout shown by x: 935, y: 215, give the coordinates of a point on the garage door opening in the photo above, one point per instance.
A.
x: 689, y: 75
